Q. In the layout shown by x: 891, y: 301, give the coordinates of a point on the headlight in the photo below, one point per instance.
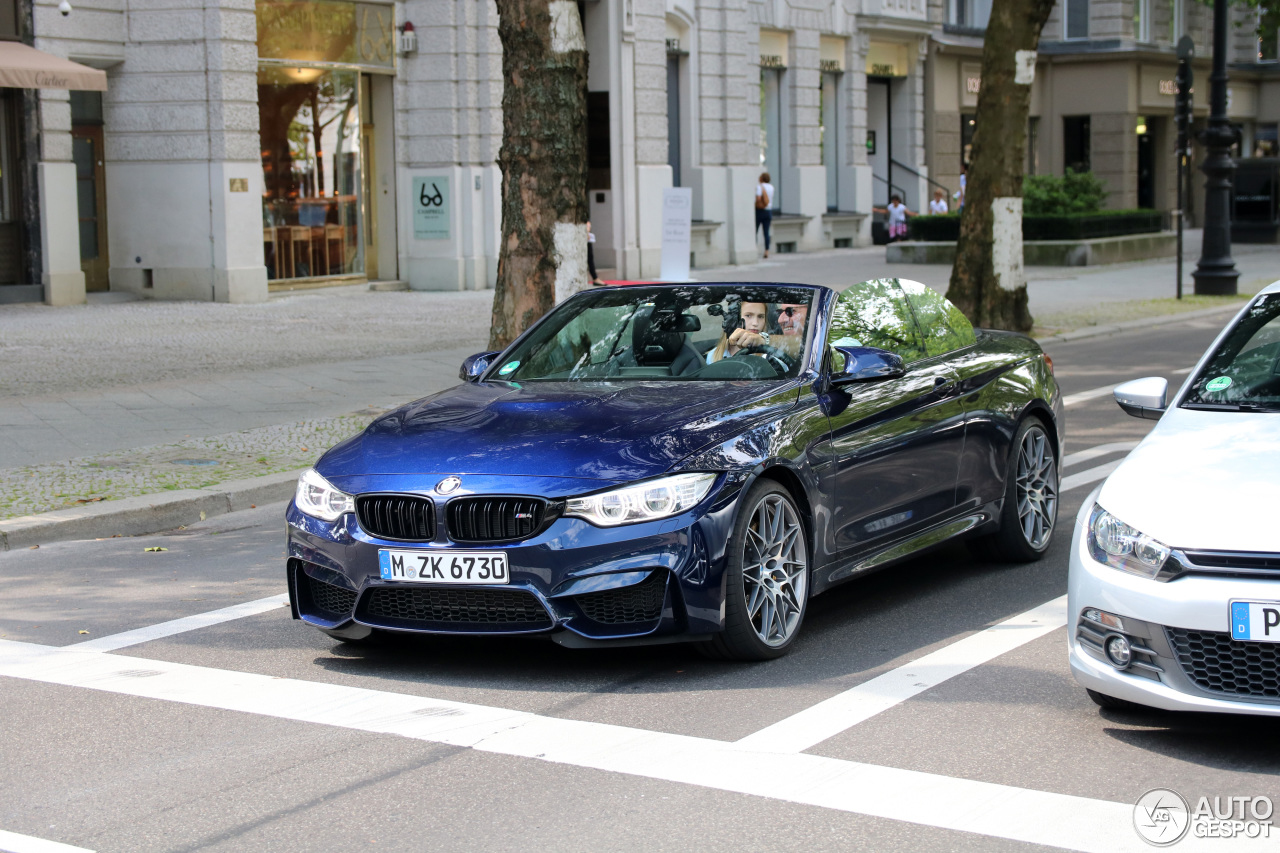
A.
x: 317, y: 498
x: 645, y: 501
x: 1115, y: 543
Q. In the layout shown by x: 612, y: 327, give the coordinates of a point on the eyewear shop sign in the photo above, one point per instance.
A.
x: 431, y: 210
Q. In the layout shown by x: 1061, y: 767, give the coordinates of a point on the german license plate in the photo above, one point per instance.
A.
x: 443, y: 566
x: 1258, y: 621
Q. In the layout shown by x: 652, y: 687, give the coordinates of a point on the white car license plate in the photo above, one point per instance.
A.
x: 443, y: 566
x: 1258, y: 621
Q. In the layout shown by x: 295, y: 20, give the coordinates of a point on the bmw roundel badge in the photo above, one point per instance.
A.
x: 448, y: 484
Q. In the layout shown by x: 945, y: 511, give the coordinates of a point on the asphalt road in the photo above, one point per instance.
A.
x: 259, y: 733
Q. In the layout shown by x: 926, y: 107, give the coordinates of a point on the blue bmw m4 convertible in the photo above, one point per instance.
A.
x: 682, y: 463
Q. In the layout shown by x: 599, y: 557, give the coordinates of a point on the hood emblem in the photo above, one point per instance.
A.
x: 448, y: 484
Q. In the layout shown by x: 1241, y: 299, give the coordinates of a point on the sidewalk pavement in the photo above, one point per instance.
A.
x: 123, y: 415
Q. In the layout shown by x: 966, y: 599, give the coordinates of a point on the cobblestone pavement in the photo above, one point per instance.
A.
x: 191, y: 464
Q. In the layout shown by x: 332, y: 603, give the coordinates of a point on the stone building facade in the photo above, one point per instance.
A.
x: 1103, y: 96
x: 244, y: 146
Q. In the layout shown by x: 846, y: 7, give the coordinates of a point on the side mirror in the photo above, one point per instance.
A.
x: 474, y: 365
x: 865, y: 364
x: 1143, y: 398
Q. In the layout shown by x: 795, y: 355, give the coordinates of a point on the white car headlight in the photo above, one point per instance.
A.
x: 317, y: 498
x: 647, y: 501
x: 1120, y: 546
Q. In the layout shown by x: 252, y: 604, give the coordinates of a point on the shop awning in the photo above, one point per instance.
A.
x: 24, y: 67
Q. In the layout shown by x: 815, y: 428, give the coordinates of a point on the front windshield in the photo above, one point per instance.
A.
x: 1243, y: 373
x: 684, y: 333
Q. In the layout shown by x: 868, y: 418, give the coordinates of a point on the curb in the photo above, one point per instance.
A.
x: 144, y: 514
x: 1144, y: 323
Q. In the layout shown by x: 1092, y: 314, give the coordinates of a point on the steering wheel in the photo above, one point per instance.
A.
x: 779, y: 360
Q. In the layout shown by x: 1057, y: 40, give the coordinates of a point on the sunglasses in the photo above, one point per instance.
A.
x: 790, y: 310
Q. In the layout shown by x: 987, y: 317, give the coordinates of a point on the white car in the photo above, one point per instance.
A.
x: 1174, y: 585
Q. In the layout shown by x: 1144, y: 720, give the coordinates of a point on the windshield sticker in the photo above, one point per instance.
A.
x: 511, y: 366
x: 1220, y: 383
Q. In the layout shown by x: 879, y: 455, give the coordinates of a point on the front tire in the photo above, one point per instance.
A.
x: 1030, y: 512
x: 767, y: 577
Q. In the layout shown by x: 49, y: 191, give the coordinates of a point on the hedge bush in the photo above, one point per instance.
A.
x: 1051, y: 195
x: 1081, y: 226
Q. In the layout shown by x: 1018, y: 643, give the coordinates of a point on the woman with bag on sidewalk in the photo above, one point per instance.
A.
x: 764, y: 208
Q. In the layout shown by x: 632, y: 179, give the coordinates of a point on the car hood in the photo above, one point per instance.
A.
x: 1203, y: 480
x: 602, y: 431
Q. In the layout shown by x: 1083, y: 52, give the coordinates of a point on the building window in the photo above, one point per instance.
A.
x: 967, y: 123
x: 673, y: 117
x: 970, y: 13
x: 1075, y: 22
x: 1268, y: 47
x: 829, y: 130
x: 1266, y: 140
x: 1075, y: 143
x: 1033, y: 145
x: 1142, y: 20
x: 1177, y: 20
x: 309, y: 122
x: 771, y: 129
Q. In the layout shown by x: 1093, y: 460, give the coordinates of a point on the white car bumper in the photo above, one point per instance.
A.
x: 1197, y: 603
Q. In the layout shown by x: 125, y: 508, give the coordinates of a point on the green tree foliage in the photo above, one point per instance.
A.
x: 1051, y: 195
x: 904, y: 317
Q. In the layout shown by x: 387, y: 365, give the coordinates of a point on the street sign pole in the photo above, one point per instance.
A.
x: 1182, y: 116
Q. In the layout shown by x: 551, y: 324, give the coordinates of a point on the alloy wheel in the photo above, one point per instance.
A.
x: 775, y: 570
x: 1037, y: 488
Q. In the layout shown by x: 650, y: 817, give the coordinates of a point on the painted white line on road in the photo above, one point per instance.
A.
x: 1183, y: 371
x: 1091, y: 394
x: 12, y: 842
x: 963, y: 805
x: 1089, y: 475
x: 832, y: 716
x: 180, y: 626
x: 1094, y: 452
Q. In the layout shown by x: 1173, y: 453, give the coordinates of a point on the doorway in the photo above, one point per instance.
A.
x: 91, y: 202
x: 1146, y: 168
x: 368, y: 183
x: 91, y: 188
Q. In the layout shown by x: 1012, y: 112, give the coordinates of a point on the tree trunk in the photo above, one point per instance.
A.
x: 987, y: 282
x: 543, y: 160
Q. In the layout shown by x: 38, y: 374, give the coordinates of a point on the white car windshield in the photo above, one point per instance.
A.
x: 1243, y: 373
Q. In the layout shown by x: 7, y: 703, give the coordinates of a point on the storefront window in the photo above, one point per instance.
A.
x: 1265, y: 141
x: 311, y: 54
x: 310, y: 128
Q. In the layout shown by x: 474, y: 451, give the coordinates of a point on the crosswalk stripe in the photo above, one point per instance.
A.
x: 927, y: 799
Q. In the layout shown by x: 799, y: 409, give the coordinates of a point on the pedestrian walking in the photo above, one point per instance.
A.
x: 764, y: 208
x: 897, y: 213
x: 591, y: 256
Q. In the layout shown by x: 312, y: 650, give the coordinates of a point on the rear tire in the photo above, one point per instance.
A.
x: 766, y: 578
x: 1029, y: 516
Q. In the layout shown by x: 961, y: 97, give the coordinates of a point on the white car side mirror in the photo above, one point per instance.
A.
x: 1143, y: 398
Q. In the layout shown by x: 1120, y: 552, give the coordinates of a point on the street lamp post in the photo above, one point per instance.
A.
x: 1216, y: 272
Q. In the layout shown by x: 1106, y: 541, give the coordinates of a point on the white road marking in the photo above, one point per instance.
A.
x: 1183, y: 371
x: 12, y: 842
x: 832, y: 716
x: 1094, y: 452
x: 179, y: 626
x: 963, y: 805
x: 1089, y: 475
x: 1091, y: 394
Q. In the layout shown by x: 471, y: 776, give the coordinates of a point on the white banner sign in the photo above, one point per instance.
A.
x: 677, y: 225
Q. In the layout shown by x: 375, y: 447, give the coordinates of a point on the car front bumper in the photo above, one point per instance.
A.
x: 575, y: 583
x: 1192, y: 664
